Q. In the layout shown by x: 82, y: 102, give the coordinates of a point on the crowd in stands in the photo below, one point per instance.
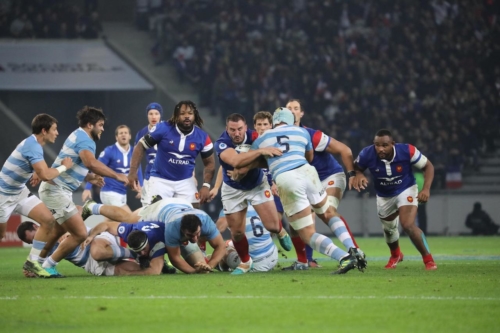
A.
x: 427, y: 70
x: 41, y: 19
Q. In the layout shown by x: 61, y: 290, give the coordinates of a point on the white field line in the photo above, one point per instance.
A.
x: 174, y: 297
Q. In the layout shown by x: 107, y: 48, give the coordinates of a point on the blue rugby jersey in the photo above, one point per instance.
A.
x: 390, y: 177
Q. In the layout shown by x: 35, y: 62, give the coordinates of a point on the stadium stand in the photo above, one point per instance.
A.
x: 425, y: 69
x: 37, y: 19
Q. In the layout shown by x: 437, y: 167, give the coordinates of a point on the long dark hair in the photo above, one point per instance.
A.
x: 177, y: 110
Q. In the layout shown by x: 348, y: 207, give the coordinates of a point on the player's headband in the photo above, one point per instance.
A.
x: 140, y: 247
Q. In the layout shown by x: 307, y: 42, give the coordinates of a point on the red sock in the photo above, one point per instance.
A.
x: 349, y: 231
x: 396, y: 252
x: 202, y: 245
x: 300, y: 249
x: 242, y: 248
x: 427, y: 258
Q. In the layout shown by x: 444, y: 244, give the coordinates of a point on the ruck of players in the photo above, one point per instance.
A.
x: 276, y: 180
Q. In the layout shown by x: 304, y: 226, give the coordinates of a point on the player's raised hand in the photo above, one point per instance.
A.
x: 423, y: 196
x: 67, y: 162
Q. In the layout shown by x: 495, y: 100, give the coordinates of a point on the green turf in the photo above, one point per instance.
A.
x: 463, y: 295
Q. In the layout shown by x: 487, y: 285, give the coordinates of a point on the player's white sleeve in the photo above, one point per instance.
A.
x: 421, y: 162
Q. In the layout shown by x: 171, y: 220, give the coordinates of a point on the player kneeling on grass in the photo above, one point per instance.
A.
x: 177, y: 225
x: 261, y: 247
x: 104, y: 257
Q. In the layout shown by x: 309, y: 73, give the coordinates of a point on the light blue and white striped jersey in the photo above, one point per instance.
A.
x: 18, y: 168
x: 260, y: 242
x: 76, y: 142
x: 79, y: 257
x: 294, y: 141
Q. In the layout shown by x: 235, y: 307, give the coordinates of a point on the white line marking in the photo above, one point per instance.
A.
x: 412, y: 298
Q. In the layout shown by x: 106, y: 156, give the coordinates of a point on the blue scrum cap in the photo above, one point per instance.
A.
x: 155, y: 106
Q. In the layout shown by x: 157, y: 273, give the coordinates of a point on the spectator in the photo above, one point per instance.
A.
x: 480, y: 222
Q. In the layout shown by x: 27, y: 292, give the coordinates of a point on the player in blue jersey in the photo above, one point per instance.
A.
x: 300, y: 188
x: 262, y: 121
x: 106, y: 255
x: 117, y: 157
x: 181, y: 233
x: 57, y: 194
x: 154, y: 112
x: 261, y: 247
x: 25, y: 161
x: 179, y: 141
x: 252, y: 188
x: 332, y: 178
x: 391, y: 165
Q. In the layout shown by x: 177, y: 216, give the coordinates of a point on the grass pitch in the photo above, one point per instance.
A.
x: 463, y: 295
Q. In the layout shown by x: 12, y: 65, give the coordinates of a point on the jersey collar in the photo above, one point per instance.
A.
x: 121, y: 149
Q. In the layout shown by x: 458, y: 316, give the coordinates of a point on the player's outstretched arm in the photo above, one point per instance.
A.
x: 231, y: 157
x: 100, y: 168
x: 219, y: 247
x: 337, y: 147
x: 132, y: 268
x: 45, y: 173
x: 111, y: 227
x: 174, y: 255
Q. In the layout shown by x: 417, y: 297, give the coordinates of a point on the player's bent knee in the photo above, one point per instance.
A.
x: 391, y: 231
x: 302, y: 222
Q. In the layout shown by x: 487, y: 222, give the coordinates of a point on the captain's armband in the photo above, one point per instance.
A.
x: 147, y: 141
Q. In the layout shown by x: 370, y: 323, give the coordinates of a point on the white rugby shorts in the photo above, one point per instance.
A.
x: 299, y: 188
x: 113, y: 198
x: 389, y: 205
x: 185, y: 189
x: 58, y: 200
x: 21, y: 203
x: 235, y: 200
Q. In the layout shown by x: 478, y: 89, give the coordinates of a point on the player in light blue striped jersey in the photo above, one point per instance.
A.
x: 57, y: 194
x: 300, y: 188
x: 261, y: 247
x: 26, y: 160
